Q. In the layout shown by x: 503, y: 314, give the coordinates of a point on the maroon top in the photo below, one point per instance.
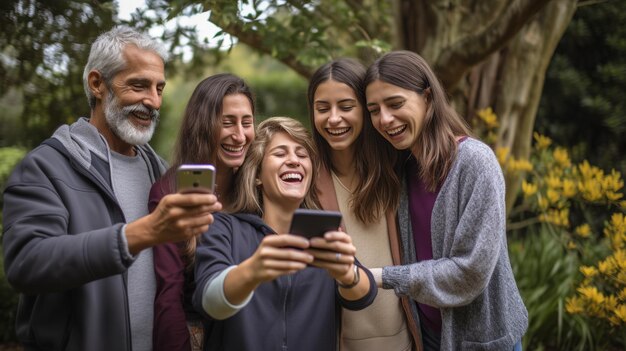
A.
x: 421, y: 203
x: 172, y: 303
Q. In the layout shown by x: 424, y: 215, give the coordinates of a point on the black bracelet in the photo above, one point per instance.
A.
x: 357, y: 279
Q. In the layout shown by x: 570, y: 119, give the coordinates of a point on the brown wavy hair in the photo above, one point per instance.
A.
x: 197, y: 140
x: 442, y: 124
x: 377, y: 187
x: 246, y: 195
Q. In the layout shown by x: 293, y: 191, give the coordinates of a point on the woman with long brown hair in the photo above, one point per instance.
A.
x: 451, y: 216
x: 357, y: 178
x: 217, y: 128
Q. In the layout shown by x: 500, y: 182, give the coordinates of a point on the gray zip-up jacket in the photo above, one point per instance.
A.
x: 63, y: 245
x: 470, y: 277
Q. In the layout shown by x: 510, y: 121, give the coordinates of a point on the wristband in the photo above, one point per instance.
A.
x: 356, y: 280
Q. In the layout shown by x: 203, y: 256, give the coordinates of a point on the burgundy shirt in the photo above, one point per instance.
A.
x: 421, y: 203
x: 174, y: 289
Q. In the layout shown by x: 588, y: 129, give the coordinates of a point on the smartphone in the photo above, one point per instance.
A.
x: 310, y: 223
x: 195, y: 178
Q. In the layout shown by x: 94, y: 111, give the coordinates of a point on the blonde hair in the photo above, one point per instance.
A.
x: 246, y: 196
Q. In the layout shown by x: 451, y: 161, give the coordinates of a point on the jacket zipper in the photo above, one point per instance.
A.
x: 288, y: 288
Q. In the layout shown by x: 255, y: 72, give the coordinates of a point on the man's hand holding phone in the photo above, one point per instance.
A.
x: 181, y: 215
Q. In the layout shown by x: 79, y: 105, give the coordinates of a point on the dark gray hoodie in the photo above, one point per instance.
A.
x: 63, y: 246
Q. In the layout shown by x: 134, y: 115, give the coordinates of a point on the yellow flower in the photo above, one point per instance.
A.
x: 543, y: 203
x: 588, y: 271
x: 620, y: 312
x: 618, y: 224
x: 563, y: 216
x: 588, y: 171
x: 520, y: 165
x: 619, y: 256
x: 554, y: 182
x: 613, y: 181
x: 574, y: 305
x: 502, y: 153
x: 610, y: 303
x: 607, y: 266
x: 590, y: 189
x: 622, y: 205
x: 592, y: 294
x: 528, y: 189
x: 583, y: 230
x: 571, y: 245
x: 552, y: 195
x: 622, y: 294
x: 488, y: 117
x: 541, y: 141
x: 561, y: 157
x: 569, y: 188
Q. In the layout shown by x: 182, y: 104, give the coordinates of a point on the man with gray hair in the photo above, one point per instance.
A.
x: 77, y: 234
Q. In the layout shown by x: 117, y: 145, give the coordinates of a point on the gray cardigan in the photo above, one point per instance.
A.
x: 470, y: 277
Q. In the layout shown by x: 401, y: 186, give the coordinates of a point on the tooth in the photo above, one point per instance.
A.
x: 338, y: 131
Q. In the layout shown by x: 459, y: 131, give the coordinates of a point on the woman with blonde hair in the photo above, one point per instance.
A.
x: 260, y: 288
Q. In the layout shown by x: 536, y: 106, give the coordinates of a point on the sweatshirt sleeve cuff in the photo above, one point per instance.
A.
x: 214, y: 301
x: 366, y: 300
x: 126, y: 256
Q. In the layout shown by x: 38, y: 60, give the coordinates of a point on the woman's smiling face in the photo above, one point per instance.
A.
x: 286, y: 170
x: 338, y: 115
x: 397, y: 113
x: 237, y: 131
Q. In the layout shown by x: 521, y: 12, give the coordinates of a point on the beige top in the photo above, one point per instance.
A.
x: 382, y: 325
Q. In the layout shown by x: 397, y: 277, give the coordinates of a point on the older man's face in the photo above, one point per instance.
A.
x: 134, y: 97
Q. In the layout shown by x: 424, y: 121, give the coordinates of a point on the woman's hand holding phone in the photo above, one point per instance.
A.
x: 335, y: 253
x: 277, y: 255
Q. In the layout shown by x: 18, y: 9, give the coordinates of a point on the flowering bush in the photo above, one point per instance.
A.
x: 584, y: 207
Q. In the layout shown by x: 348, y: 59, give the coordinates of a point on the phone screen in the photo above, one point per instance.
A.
x: 311, y: 223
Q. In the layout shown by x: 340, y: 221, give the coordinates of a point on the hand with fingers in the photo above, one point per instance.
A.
x: 177, y: 217
x: 334, y: 253
x: 277, y: 255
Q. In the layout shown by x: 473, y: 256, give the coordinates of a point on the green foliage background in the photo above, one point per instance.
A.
x: 583, y: 105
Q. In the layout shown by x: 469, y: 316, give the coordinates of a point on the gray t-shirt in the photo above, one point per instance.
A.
x: 132, y: 180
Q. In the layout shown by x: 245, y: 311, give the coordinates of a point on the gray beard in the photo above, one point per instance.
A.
x: 119, y: 121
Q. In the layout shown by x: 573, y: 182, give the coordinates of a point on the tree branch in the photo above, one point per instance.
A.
x: 455, y: 60
x: 256, y: 42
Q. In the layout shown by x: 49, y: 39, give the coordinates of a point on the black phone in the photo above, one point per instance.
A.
x: 310, y: 223
x: 195, y: 178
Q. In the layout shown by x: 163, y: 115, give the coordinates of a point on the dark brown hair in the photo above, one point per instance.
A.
x: 199, y: 130
x: 197, y: 139
x: 377, y: 187
x: 441, y: 126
